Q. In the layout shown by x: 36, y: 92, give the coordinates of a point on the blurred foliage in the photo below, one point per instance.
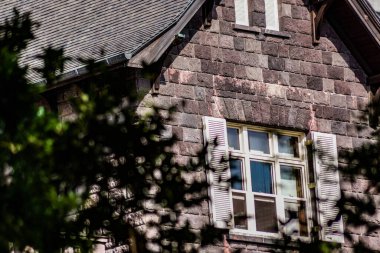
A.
x: 106, y: 174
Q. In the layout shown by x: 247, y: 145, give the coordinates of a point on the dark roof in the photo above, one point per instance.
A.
x: 120, y: 27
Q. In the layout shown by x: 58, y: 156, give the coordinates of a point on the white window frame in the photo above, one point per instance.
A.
x: 275, y: 158
x: 242, y: 15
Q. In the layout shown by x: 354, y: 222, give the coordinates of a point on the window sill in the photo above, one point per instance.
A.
x: 268, y: 240
x: 246, y: 28
x: 268, y: 32
x: 274, y: 33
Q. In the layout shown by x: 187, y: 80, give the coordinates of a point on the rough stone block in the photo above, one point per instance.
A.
x: 270, y: 48
x: 338, y: 128
x: 335, y: 72
x: 270, y: 76
x: 324, y: 125
x: 205, y: 80
x: 294, y: 94
x: 344, y: 142
x: 315, y: 83
x: 339, y: 60
x: 255, y: 74
x: 338, y: 100
x: 296, y: 26
x: 341, y: 87
x: 327, y: 58
x: 209, y: 67
x: 292, y: 66
x: 286, y: 10
x: 358, y: 89
x: 258, y: 6
x: 328, y: 85
x: 297, y: 53
x: 258, y: 19
x: 275, y: 63
x: 252, y: 45
x: 184, y: 91
x: 192, y: 135
x: 297, y: 80
x: 319, y: 70
x: 191, y: 106
x: 351, y: 102
x: 226, y: 41
x: 239, y: 43
x: 202, y: 52
x: 240, y: 72
x: 300, y: 12
x: 321, y: 98
x: 283, y: 51
x: 226, y: 69
x: 231, y: 56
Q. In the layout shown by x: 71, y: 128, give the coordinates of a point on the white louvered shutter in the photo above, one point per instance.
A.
x: 241, y: 12
x: 271, y: 15
x: 328, y: 187
x: 220, y: 192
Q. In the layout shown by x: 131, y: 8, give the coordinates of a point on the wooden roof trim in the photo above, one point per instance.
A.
x: 154, y: 51
x: 368, y: 17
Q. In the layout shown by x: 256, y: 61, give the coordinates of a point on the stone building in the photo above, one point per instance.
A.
x: 264, y: 76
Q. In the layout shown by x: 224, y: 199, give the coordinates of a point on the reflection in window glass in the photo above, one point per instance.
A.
x: 266, y: 217
x: 233, y: 138
x: 261, y: 176
x: 240, y: 213
x: 291, y: 183
x: 236, y: 175
x: 295, y: 214
x: 288, y: 145
x: 258, y: 141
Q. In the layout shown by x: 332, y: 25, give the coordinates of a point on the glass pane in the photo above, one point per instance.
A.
x: 240, y: 213
x: 288, y: 145
x: 233, y: 138
x: 291, y: 183
x: 258, y: 141
x: 261, y: 176
x: 236, y: 174
x: 266, y: 217
x: 295, y: 214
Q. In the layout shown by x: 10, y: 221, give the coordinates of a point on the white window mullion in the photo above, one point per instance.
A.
x: 271, y: 15
x: 247, y: 165
x: 241, y: 12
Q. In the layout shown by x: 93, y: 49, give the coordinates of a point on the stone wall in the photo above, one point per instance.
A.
x: 254, y: 76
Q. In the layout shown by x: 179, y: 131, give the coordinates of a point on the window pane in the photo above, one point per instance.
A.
x: 295, y: 214
x: 288, y: 145
x: 258, y: 141
x: 261, y: 176
x: 233, y: 138
x: 240, y: 213
x: 236, y: 174
x: 266, y: 217
x: 291, y: 183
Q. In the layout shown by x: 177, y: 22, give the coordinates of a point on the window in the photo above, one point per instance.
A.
x: 265, y: 181
x: 250, y: 13
x: 268, y: 181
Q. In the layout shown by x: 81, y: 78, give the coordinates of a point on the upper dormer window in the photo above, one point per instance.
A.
x: 245, y: 11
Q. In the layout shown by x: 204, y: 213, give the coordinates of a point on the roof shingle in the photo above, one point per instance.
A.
x: 85, y: 27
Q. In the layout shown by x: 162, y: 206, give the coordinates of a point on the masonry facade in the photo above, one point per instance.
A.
x: 256, y: 77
